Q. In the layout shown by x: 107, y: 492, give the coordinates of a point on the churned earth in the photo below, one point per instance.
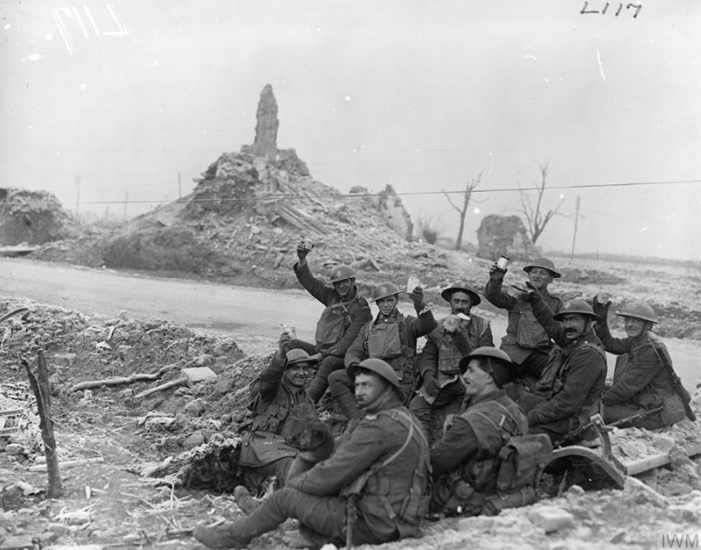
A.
x: 163, y: 463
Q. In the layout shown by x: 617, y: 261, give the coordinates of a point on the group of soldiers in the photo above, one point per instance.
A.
x: 386, y: 472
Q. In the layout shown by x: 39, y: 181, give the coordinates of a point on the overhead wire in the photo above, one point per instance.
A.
x: 401, y: 194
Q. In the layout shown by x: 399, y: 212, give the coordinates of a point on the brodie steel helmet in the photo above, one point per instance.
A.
x: 639, y: 311
x: 341, y: 273
x: 499, y: 363
x: 299, y: 356
x: 575, y: 306
x: 379, y: 367
x: 383, y: 290
x: 544, y: 263
x: 448, y: 291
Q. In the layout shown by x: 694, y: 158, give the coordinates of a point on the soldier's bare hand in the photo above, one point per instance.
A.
x: 496, y: 273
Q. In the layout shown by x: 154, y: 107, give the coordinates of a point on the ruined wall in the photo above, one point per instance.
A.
x: 34, y: 217
x: 504, y: 235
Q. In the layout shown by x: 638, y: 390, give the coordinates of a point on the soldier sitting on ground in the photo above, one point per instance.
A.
x: 280, y: 408
x: 466, y: 460
x: 456, y: 336
x: 640, y: 380
x: 391, y: 337
x: 526, y: 342
x: 380, y: 467
x: 346, y: 312
x: 568, y: 392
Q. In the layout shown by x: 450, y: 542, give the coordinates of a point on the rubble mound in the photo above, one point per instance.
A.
x: 34, y: 218
x: 504, y: 236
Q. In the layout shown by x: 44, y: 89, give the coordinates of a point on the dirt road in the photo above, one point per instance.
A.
x: 249, y: 315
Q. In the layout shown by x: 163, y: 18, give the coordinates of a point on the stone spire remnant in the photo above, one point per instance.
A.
x: 265, y: 144
x: 267, y: 123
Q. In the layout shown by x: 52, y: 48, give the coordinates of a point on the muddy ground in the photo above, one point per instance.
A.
x: 167, y: 461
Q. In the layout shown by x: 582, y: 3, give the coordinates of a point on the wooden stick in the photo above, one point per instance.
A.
x: 43, y: 397
x: 117, y: 381
x: 67, y: 464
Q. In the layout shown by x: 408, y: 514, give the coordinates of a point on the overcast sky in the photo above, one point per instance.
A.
x: 422, y: 95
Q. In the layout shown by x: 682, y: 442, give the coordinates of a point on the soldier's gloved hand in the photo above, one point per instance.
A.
x: 534, y: 296
x: 317, y: 357
x: 601, y: 309
x: 496, y: 274
x: 417, y: 296
x: 431, y: 384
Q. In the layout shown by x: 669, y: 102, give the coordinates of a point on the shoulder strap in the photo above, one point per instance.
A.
x: 359, y: 483
x: 500, y: 427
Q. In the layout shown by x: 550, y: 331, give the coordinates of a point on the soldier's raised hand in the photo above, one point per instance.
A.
x: 496, y: 274
x: 284, y: 344
x: 304, y: 247
x: 600, y: 305
x: 417, y: 296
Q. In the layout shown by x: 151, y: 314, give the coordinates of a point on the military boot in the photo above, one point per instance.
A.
x: 219, y: 536
x: 245, y: 501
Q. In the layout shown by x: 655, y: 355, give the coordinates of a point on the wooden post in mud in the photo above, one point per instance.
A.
x: 42, y: 392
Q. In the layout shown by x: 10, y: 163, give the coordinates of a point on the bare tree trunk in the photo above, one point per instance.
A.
x: 42, y: 392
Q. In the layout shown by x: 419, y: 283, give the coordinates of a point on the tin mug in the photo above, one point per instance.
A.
x: 503, y: 263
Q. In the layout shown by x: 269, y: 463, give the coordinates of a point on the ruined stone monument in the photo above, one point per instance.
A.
x: 265, y: 143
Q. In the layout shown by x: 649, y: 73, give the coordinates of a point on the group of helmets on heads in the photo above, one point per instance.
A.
x: 546, y: 379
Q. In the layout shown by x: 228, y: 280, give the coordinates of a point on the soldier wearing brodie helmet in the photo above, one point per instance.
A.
x: 380, y: 466
x: 391, y: 337
x: 346, y: 312
x: 641, y: 380
x: 456, y: 336
x: 568, y: 392
x: 525, y: 342
x: 465, y: 461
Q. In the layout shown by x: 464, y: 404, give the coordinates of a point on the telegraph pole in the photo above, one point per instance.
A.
x: 574, y: 237
x: 77, y: 200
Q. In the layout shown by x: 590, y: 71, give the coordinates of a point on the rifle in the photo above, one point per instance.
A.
x: 679, y: 388
x: 351, y: 517
x: 638, y: 415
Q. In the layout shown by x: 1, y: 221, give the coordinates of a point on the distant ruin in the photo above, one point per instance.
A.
x: 34, y: 218
x: 504, y: 235
x: 265, y: 142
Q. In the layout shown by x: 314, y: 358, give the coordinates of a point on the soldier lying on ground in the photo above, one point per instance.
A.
x: 525, y: 341
x: 568, y: 392
x: 280, y: 407
x: 456, y: 336
x: 381, y: 465
x: 640, y: 380
x: 391, y: 337
x: 346, y: 312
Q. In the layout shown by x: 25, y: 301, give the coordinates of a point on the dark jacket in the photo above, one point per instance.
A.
x: 454, y: 346
x: 275, y: 401
x: 279, y: 410
x: 575, y: 375
x: 410, y: 328
x: 370, y: 442
x: 520, y: 313
x: 640, y: 379
x: 357, y: 307
x: 471, y: 439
